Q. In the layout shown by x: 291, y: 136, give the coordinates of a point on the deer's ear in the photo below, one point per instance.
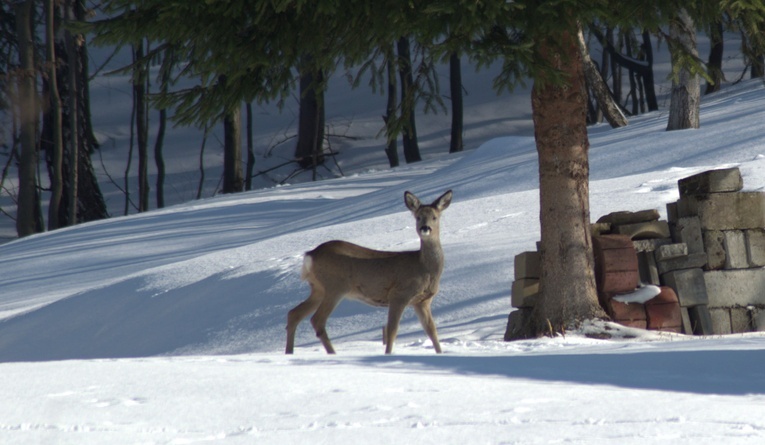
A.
x: 443, y: 201
x: 411, y: 201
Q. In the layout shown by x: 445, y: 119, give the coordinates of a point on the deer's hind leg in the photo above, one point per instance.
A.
x: 319, y: 320
x: 299, y: 312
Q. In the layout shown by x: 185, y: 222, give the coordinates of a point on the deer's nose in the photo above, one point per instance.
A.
x: 425, y: 229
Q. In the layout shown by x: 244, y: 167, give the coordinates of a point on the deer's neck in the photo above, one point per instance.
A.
x: 431, y: 255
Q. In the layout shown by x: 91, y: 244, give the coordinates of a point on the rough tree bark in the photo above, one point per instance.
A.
x: 568, y: 294
x: 685, y: 102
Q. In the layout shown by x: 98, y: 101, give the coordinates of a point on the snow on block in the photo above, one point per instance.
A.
x: 712, y: 181
x: 616, y: 264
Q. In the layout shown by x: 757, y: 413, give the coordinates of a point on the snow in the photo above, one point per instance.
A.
x: 168, y: 327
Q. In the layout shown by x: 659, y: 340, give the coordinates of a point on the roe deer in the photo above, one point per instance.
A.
x: 338, y: 269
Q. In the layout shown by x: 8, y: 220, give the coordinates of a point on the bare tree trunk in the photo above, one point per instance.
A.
x: 25, y: 214
x: 142, y: 130
x: 310, y: 144
x: 72, y: 195
x: 411, y: 146
x: 455, y: 86
x: 250, y: 149
x: 610, y: 109
x: 159, y: 158
x: 57, y: 143
x: 714, y: 63
x: 685, y: 102
x: 391, y: 148
x: 232, y: 151
x: 568, y: 293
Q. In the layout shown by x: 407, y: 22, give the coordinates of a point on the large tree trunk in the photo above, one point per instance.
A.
x: 685, y: 102
x: 56, y: 143
x: 26, y: 219
x: 411, y: 146
x: 455, y: 88
x: 232, y: 151
x: 568, y: 294
x: 607, y: 105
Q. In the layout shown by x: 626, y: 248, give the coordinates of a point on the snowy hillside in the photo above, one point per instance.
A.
x: 168, y: 327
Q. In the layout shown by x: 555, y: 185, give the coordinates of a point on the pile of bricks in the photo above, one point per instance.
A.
x: 707, y: 261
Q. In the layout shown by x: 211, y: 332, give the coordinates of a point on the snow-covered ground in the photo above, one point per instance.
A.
x: 168, y: 327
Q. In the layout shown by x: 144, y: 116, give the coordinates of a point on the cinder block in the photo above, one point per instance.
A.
x: 740, y: 320
x: 672, y: 213
x: 731, y: 288
x: 687, y: 325
x: 755, y: 247
x: 689, y: 285
x: 712, y: 181
x: 663, y: 312
x: 527, y: 265
x: 758, y: 319
x: 720, y: 321
x: 647, y: 268
x: 701, y: 320
x: 713, y: 245
x: 671, y: 251
x: 525, y: 292
x: 735, y: 249
x: 688, y: 230
x: 650, y: 245
x: 621, y: 218
x: 645, y: 230
x: 725, y: 211
x: 597, y: 229
x: 693, y: 261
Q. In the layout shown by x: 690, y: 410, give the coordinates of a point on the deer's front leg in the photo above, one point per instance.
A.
x: 395, y: 311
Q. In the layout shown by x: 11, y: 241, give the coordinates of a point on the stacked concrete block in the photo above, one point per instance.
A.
x: 526, y: 284
x: 729, y: 224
